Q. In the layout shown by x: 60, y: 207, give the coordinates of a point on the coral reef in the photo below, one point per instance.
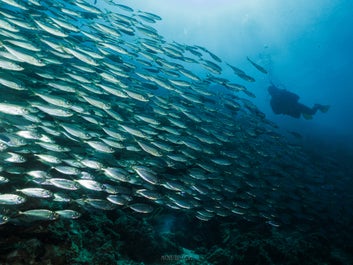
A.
x: 116, y: 238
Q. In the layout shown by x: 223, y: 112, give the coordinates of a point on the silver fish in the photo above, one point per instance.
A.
x: 3, y: 219
x: 9, y: 65
x: 90, y: 184
x: 11, y: 199
x: 68, y: 214
x: 258, y: 67
x: 12, y: 109
x: 141, y: 208
x: 3, y: 180
x: 36, y: 192
x: 40, y: 214
x: 65, y: 184
x: 53, y: 110
x: 146, y: 174
x: 24, y: 56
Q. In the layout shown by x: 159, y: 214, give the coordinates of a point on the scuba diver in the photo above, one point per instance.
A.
x: 285, y: 102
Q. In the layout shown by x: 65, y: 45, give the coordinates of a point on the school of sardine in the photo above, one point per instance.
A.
x: 98, y: 111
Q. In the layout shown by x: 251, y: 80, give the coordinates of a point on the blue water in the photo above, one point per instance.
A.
x: 307, y: 47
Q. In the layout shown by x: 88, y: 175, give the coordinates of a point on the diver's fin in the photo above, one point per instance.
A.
x: 324, y: 108
x: 307, y: 116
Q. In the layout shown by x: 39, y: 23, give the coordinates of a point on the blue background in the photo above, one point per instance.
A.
x: 305, y: 45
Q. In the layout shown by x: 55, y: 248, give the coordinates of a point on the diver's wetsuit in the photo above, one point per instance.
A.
x: 285, y: 102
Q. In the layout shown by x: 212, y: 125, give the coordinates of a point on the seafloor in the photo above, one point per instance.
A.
x: 115, y: 238
x: 170, y: 237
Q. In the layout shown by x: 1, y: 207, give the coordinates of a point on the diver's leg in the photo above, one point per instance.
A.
x: 306, y: 111
x: 322, y: 108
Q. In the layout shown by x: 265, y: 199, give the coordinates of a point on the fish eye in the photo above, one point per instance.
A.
x: 54, y: 216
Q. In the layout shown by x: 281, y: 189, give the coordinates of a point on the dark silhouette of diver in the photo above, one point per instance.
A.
x: 285, y: 102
